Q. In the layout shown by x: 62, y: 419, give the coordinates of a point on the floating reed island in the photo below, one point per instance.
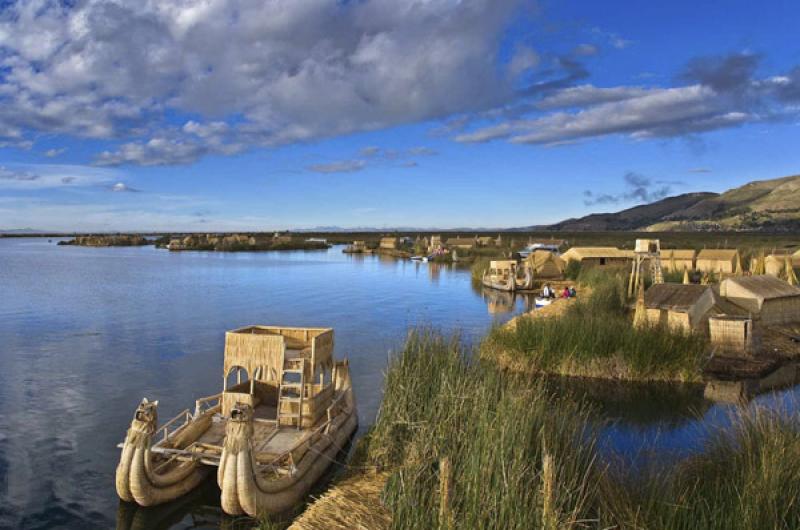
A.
x: 269, y: 437
x: 740, y: 336
x: 242, y: 242
x: 108, y: 240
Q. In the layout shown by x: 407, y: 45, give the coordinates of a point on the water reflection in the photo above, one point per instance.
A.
x: 505, y: 303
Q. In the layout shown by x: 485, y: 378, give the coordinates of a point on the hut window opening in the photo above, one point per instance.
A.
x: 236, y: 376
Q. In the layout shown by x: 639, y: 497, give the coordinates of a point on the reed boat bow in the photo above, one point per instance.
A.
x: 144, y: 477
x: 250, y: 486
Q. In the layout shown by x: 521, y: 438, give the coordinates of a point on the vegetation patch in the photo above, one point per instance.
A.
x: 594, y: 337
x: 464, y: 446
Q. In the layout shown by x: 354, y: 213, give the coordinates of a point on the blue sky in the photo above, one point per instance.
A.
x: 248, y: 115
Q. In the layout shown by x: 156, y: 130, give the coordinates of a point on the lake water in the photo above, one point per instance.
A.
x: 85, y: 333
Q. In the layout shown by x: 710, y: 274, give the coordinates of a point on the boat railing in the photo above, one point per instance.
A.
x: 288, y: 455
x: 203, y: 404
x: 170, y: 427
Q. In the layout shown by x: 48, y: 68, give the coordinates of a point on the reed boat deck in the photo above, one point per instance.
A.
x: 272, y: 443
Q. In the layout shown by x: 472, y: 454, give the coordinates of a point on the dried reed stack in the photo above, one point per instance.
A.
x: 353, y: 504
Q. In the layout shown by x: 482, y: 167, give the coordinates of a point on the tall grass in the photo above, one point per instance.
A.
x: 478, y: 268
x: 747, y: 479
x: 495, y: 432
x: 595, y: 337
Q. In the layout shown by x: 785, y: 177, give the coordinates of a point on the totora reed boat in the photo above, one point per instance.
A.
x: 270, y: 436
x: 503, y: 275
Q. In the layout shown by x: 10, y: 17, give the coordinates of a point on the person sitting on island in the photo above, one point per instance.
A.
x: 565, y: 293
x: 546, y: 291
x: 572, y: 292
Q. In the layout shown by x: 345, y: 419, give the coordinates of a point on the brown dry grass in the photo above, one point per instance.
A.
x: 352, y: 504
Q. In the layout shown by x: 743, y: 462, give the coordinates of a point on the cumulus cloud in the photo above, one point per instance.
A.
x: 638, y: 188
x: 249, y: 73
x: 155, y: 152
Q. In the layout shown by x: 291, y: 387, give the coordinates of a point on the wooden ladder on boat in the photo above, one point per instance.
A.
x: 291, y: 392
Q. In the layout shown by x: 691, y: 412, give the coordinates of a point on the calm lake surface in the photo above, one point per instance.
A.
x: 85, y: 333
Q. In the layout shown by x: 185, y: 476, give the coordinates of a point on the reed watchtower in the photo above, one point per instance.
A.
x: 646, y: 250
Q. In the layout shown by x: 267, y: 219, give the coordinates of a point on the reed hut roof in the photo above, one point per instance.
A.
x: 581, y: 253
x: 765, y: 286
x: 718, y: 254
x: 254, y: 347
x: 502, y: 264
x: 776, y: 257
x: 674, y: 296
x: 461, y: 241
x: 538, y: 258
x: 678, y: 253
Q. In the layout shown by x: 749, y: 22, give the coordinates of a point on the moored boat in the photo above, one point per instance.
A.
x: 270, y: 436
x: 503, y: 275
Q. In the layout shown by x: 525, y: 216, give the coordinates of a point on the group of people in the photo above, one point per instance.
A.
x: 549, y: 292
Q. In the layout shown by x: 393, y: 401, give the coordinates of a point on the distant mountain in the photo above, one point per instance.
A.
x: 21, y: 231
x: 766, y: 205
x: 634, y: 218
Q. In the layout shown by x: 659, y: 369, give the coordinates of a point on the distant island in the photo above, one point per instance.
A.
x: 116, y: 240
x: 241, y: 242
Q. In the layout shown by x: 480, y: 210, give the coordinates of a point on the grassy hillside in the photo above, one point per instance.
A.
x: 766, y: 205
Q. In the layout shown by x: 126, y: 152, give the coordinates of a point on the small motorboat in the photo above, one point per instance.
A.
x: 542, y: 302
x: 419, y: 259
x: 270, y: 437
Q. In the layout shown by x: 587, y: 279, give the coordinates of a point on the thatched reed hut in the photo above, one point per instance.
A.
x: 718, y: 260
x: 680, y: 306
x: 389, y: 243
x: 678, y: 260
x: 545, y: 264
x: 770, y: 300
x: 599, y: 256
x: 464, y: 243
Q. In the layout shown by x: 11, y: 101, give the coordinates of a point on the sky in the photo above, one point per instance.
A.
x: 222, y: 115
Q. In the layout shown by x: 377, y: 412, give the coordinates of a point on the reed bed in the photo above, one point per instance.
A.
x: 520, y: 457
x: 515, y: 463
x: 594, y: 337
x: 748, y: 478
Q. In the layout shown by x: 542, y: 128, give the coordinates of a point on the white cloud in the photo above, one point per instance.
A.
x: 249, y: 73
x: 121, y: 187
x: 639, y: 113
